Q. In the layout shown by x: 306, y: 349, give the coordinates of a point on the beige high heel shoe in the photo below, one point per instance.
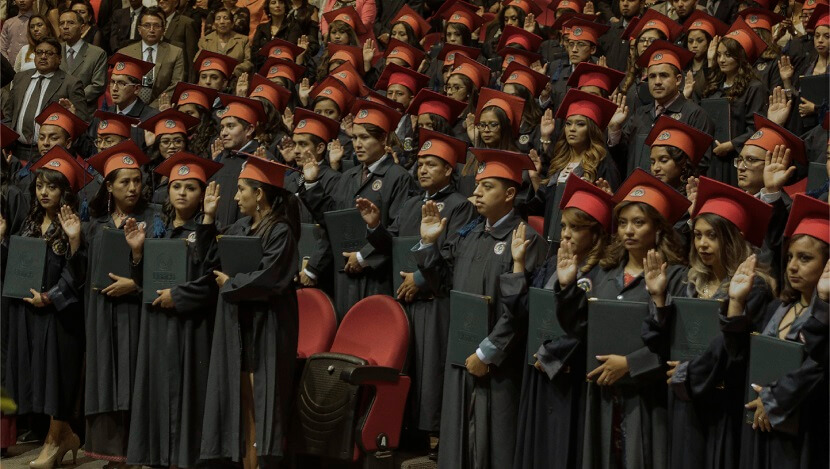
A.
x: 71, y: 443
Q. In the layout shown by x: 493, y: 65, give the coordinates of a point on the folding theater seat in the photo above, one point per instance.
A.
x: 318, y: 322
x: 537, y: 223
x: 351, y: 399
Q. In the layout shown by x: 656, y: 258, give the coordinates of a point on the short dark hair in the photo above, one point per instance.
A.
x: 51, y: 41
x: 77, y: 15
x: 152, y: 11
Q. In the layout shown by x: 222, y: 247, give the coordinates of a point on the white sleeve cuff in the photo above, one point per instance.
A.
x: 309, y: 274
x: 360, y: 260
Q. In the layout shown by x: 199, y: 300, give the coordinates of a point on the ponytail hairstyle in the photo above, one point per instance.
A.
x: 285, y: 208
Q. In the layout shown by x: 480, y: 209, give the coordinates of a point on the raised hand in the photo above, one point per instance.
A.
x: 518, y: 248
x: 823, y: 287
x: 335, y: 153
x: 530, y: 23
x: 547, y: 125
x: 432, y: 225
x: 288, y: 119
x: 602, y: 61
x: 780, y: 106
x: 216, y: 148
x: 347, y: 123
x: 164, y: 102
x: 67, y: 104
x: 470, y: 125
x: 654, y: 273
x: 210, y: 202
x: 777, y: 170
x: 786, y: 70
x: 311, y: 168
x: 368, y: 211
x: 286, y: 148
x: 135, y: 234
x: 589, y: 8
x: 368, y: 54
x: 535, y: 174
x: 71, y: 225
x: 691, y: 192
x: 604, y: 185
x: 689, y: 85
x: 242, y: 84
x: 3, y: 227
x: 712, y: 52
x: 260, y: 153
x: 566, y: 265
x: 304, y: 91
x: 619, y: 117
x: 741, y: 285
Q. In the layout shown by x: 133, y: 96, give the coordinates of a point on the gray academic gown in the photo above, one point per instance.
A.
x: 478, y: 416
x: 429, y: 315
x: 639, y: 409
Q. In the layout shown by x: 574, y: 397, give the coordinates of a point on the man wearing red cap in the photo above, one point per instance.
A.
x: 664, y: 63
x: 481, y: 396
x: 581, y: 46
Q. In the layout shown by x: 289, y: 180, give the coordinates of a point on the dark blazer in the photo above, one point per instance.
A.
x: 61, y: 85
x: 104, y: 21
x: 118, y: 32
x: 182, y: 32
x: 90, y: 67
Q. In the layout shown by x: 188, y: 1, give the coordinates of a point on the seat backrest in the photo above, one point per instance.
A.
x: 318, y: 322
x: 375, y: 329
x: 537, y: 223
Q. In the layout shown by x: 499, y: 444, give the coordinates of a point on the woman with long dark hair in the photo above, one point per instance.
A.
x: 46, y: 336
x: 197, y: 101
x: 699, y: 30
x: 90, y: 32
x: 651, y: 27
x: 169, y: 135
x: 676, y: 152
x: 463, y: 83
x: 281, y: 26
x: 256, y: 325
x: 176, y: 328
x: 527, y: 84
x: 111, y: 357
x: 38, y: 28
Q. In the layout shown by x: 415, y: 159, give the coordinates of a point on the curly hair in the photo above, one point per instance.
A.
x: 668, y: 242
x: 203, y: 134
x: 563, y: 153
x: 682, y: 161
x: 734, y: 249
x: 273, y: 126
x: 745, y: 74
x: 55, y: 236
x: 599, y: 236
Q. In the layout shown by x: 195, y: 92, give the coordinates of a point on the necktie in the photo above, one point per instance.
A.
x: 658, y: 110
x: 133, y: 16
x: 32, y: 110
x: 70, y: 58
x: 366, y: 174
x: 146, y: 92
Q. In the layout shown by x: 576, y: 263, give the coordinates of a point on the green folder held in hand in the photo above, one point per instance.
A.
x: 542, y: 324
x: 239, y: 254
x: 469, y: 321
x: 347, y: 233
x: 403, y: 259
x: 770, y: 358
x: 24, y: 267
x: 165, y: 266
x: 309, y: 235
x: 718, y: 109
x: 696, y: 324
x: 115, y: 258
x: 614, y: 328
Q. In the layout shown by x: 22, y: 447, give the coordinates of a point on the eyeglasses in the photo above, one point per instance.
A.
x: 172, y: 141
x: 646, y: 40
x: 579, y: 45
x: 747, y: 162
x: 151, y: 26
x: 47, y: 53
x: 488, y: 125
x: 105, y: 142
x: 453, y: 88
x: 121, y: 84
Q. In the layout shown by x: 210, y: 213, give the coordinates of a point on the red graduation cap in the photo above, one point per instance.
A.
x: 519, y: 74
x: 262, y: 87
x: 748, y: 39
x: 462, y: 13
x: 264, y: 171
x: 431, y: 39
x: 768, y: 134
x: 184, y: 165
x: 246, y: 109
x: 512, y: 54
x: 415, y: 21
x: 596, y: 108
x: 589, y: 198
x: 307, y: 122
x: 644, y: 188
x: 746, y: 212
x: 628, y: 32
x: 584, y: 30
x: 188, y: 93
x: 476, y: 72
x: 7, y: 136
x: 449, y: 52
x: 575, y: 6
x: 281, y: 49
x: 350, y: 54
x: 655, y: 20
x: 449, y: 149
x: 566, y: 16
x: 663, y: 52
x: 126, y: 65
x: 110, y: 123
x: 169, y: 121
x: 125, y: 155
x: 281, y: 68
x: 673, y: 133
x: 213, y: 61
x: 58, y: 159
x: 370, y: 112
x: 394, y: 74
x: 588, y: 74
x: 333, y: 89
x: 513, y: 106
x: 55, y: 114
x: 411, y: 56
x: 349, y: 77
x: 808, y: 216
x: 820, y: 17
x: 346, y: 15
x: 700, y: 21
x: 430, y: 102
x: 759, y: 18
x: 519, y: 36
x: 375, y: 96
x: 528, y: 6
x: 810, y: 4
x: 501, y: 164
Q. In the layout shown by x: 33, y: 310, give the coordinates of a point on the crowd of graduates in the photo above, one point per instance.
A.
x: 637, y: 152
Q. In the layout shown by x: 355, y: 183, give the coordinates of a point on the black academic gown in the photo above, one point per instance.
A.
x: 267, y: 296
x: 45, y: 345
x: 429, y: 315
x: 227, y: 177
x: 478, y: 415
x: 112, y: 329
x: 173, y: 358
x: 614, y: 47
x: 141, y: 110
x: 640, y: 406
x: 388, y: 188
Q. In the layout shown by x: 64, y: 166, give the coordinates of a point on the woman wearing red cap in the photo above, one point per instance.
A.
x: 406, y: 26
x: 699, y: 30
x: 512, y: 13
x: 169, y: 135
x: 762, y: 21
x: 527, y: 84
x: 728, y: 228
x: 676, y: 151
x: 110, y: 358
x: 731, y: 76
x: 45, y: 332
x: 651, y: 27
x: 289, y: 23
x: 552, y: 404
x: 789, y: 426
x: 197, y: 101
x: 176, y: 328
x: 254, y: 344
x: 617, y: 414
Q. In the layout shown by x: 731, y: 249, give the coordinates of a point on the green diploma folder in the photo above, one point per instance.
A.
x: 165, y: 266
x: 469, y: 321
x: 24, y: 267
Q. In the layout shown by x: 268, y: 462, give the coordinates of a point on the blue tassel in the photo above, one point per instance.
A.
x: 821, y: 190
x: 158, y: 226
x: 24, y: 171
x: 466, y: 229
x: 84, y: 210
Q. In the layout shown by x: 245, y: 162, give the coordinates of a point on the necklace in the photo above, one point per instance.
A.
x: 796, y: 312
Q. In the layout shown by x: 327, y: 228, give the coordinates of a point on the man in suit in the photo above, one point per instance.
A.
x: 169, y: 66
x: 32, y: 90
x: 123, y: 28
x: 181, y: 31
x: 83, y: 61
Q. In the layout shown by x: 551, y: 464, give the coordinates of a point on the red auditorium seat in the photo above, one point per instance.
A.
x: 318, y: 322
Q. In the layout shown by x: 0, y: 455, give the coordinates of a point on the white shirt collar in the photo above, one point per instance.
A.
x: 76, y: 47
x: 127, y: 109
x: 501, y: 220
x: 38, y: 74
x: 145, y: 46
x: 376, y: 164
